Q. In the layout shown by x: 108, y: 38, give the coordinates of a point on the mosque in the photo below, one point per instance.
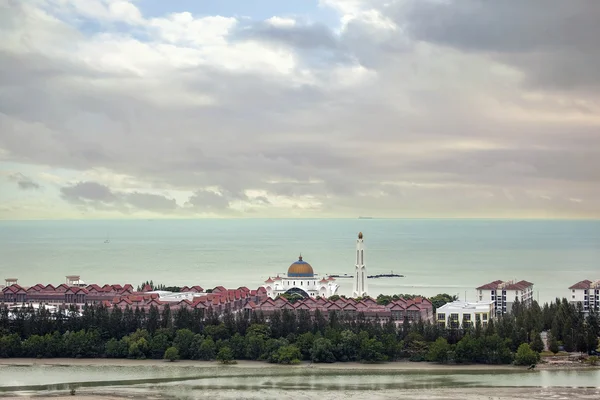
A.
x: 301, y: 279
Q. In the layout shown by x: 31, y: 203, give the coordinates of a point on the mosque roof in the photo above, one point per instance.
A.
x: 300, y: 269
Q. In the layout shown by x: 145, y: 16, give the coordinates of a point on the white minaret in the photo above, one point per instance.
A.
x: 360, y: 271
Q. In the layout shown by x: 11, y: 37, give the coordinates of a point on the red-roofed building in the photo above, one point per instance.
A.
x: 422, y: 310
x: 587, y: 294
x: 503, y: 294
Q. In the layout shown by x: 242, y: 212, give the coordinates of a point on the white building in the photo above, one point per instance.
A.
x: 176, y: 297
x: 301, y: 279
x: 505, y: 293
x: 586, y: 293
x: 360, y: 270
x: 461, y: 314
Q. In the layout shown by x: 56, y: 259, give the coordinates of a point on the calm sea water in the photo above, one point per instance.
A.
x: 452, y: 255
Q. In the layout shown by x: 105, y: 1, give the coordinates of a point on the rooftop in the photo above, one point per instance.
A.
x: 508, y: 285
x: 465, y: 305
x: 586, y: 284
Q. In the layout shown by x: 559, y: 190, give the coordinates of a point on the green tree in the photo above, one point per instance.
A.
x: 116, y: 348
x: 439, y: 351
x: 183, y: 341
x: 171, y: 354
x: 225, y: 355
x: 289, y: 354
x: 322, y: 351
x: 371, y: 350
x: 537, y: 344
x: 207, y: 350
x: 552, y: 343
x: 526, y: 356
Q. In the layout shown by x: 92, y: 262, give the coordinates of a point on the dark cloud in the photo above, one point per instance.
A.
x: 88, y: 191
x: 305, y: 36
x: 24, y: 182
x: 553, y: 41
x: 150, y: 202
x: 208, y: 201
x: 98, y: 196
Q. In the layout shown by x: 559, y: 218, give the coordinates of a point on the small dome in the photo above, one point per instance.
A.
x: 360, y: 235
x: 300, y: 269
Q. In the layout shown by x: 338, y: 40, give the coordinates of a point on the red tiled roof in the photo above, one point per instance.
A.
x: 490, y: 286
x: 521, y: 285
x: 585, y: 284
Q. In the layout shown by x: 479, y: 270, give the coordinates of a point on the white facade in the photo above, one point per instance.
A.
x: 505, y: 293
x: 301, y: 279
x: 587, y: 293
x: 461, y: 314
x: 360, y: 288
x: 164, y: 295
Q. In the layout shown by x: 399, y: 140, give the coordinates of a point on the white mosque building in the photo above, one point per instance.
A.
x: 301, y: 279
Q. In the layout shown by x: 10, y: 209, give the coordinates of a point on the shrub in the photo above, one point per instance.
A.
x: 171, y: 354
x: 225, y: 355
x: 526, y: 356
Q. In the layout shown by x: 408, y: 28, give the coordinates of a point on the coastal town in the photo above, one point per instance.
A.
x: 299, y: 289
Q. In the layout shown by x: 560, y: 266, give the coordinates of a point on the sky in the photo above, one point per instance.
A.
x: 299, y: 108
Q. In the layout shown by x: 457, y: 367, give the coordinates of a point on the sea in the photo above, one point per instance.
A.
x: 434, y: 256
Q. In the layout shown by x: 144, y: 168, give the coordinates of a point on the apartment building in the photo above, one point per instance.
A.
x: 503, y: 294
x: 461, y: 314
x: 586, y: 293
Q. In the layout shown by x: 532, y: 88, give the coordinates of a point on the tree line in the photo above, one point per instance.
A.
x: 289, y: 336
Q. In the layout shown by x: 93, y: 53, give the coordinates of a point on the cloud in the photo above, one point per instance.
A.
x: 408, y: 108
x: 93, y: 192
x: 94, y: 195
x: 552, y: 41
x: 151, y: 202
x: 24, y: 182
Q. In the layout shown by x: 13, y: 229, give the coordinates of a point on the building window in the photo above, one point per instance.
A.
x: 441, y: 316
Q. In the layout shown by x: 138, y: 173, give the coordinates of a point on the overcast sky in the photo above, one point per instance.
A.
x: 299, y: 108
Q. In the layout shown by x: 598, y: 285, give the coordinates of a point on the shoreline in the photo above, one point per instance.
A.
x: 350, y: 366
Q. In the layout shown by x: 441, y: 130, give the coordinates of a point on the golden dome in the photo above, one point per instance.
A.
x: 360, y: 235
x: 300, y: 269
